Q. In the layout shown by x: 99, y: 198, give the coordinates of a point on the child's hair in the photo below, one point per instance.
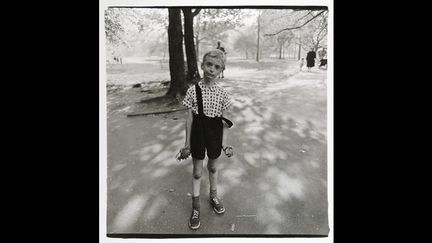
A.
x: 215, y: 54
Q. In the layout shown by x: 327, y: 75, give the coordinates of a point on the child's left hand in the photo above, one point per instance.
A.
x: 228, y: 150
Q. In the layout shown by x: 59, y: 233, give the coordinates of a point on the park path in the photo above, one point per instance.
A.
x: 276, y: 183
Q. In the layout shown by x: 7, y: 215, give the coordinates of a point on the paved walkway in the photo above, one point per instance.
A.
x: 276, y: 183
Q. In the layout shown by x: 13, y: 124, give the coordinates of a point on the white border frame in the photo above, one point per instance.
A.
x: 103, y: 4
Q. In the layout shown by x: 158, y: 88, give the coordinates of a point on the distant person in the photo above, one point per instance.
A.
x: 323, y: 62
x: 322, y: 53
x: 302, y: 62
x: 207, y: 102
x: 219, y: 47
x: 310, y: 59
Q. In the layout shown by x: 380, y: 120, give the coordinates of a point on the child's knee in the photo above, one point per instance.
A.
x: 211, y: 168
x: 197, y: 173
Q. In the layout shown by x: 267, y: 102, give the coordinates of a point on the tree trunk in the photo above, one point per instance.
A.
x: 192, y: 67
x: 299, y: 48
x: 262, y: 47
x: 258, y: 38
x: 197, y: 42
x: 176, y: 58
x: 280, y: 51
x: 283, y: 51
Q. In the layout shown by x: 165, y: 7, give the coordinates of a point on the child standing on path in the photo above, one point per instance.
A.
x: 204, y: 130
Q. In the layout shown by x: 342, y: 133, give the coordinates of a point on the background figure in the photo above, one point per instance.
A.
x: 219, y: 47
x: 323, y: 62
x: 322, y: 54
x: 302, y: 61
x: 310, y: 59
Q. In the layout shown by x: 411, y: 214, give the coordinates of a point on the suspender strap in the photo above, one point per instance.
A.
x: 199, y: 100
x: 228, y: 122
x: 201, y: 109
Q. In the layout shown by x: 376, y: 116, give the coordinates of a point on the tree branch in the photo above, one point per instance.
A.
x: 297, y: 27
x: 155, y: 112
x: 319, y: 33
x: 203, y: 38
x: 309, y: 12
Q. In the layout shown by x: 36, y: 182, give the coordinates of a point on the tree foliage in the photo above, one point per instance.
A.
x: 134, y: 28
x: 245, y: 43
x: 213, y: 24
x: 118, y: 21
x: 113, y: 25
x: 308, y: 26
x: 273, y: 20
x: 315, y: 33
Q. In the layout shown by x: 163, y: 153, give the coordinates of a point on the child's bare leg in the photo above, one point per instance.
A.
x: 218, y: 206
x: 196, y: 182
x: 213, y: 174
x: 194, y: 222
x: 197, y: 172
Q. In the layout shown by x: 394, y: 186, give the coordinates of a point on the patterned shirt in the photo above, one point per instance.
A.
x: 215, y: 99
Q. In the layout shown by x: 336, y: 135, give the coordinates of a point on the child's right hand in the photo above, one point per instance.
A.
x: 184, y: 153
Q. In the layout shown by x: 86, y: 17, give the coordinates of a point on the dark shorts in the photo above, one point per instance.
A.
x: 206, y: 134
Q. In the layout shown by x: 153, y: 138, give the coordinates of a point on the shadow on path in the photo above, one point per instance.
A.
x: 276, y: 183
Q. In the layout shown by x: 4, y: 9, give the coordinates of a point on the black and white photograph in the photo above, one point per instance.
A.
x: 216, y: 119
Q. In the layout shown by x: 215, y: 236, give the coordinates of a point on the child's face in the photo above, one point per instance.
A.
x: 211, y: 67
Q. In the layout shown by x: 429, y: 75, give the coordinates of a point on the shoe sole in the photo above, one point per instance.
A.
x: 196, y: 227
x: 214, y: 209
x: 218, y: 212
